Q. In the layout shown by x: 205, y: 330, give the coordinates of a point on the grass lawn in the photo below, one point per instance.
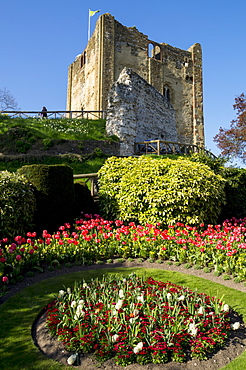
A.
x: 17, y: 351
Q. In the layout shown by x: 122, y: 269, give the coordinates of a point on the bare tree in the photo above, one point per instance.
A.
x: 7, y: 101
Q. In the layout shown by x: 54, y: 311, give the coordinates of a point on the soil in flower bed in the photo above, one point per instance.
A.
x: 234, y: 346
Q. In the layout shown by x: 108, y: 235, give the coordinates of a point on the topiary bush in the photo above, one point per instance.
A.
x: 54, y: 192
x: 151, y: 190
x: 17, y: 205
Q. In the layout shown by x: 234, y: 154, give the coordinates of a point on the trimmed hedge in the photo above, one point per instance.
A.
x: 146, y: 189
x: 54, y: 192
x: 17, y: 205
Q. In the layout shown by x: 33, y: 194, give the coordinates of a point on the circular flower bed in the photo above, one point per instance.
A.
x: 135, y: 320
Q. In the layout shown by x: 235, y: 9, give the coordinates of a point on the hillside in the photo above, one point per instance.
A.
x: 35, y: 136
x: 82, y: 144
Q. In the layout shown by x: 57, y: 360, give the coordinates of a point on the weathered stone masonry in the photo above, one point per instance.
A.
x: 137, y: 112
x: 175, y: 73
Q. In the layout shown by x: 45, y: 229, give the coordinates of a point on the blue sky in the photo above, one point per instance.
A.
x: 40, y: 39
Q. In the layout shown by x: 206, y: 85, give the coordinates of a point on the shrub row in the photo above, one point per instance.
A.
x: 40, y: 197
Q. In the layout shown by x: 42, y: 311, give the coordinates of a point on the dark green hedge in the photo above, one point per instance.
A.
x: 54, y: 192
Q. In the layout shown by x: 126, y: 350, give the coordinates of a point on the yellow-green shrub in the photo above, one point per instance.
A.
x: 152, y: 190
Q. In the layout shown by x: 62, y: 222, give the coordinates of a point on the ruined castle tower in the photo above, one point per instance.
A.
x: 175, y: 73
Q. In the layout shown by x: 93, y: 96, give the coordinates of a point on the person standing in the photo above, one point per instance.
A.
x: 44, y: 112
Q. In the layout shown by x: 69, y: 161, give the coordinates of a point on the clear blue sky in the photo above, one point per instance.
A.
x: 39, y: 39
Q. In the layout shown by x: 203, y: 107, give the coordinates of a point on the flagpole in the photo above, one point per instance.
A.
x: 89, y: 26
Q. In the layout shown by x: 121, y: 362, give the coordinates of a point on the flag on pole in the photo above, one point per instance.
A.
x: 93, y: 12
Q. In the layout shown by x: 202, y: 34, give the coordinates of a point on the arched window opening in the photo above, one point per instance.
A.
x: 154, y: 51
x: 166, y: 93
x: 151, y: 48
x: 83, y: 59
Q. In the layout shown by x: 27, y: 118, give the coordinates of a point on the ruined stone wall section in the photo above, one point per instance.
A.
x: 138, y: 112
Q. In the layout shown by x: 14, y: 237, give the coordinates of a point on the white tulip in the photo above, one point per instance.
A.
x: 140, y: 298
x: 61, y: 293
x: 73, y: 304
x: 201, y: 310
x: 119, y: 304
x: 138, y: 347
x: 71, y: 360
x: 121, y: 293
x: 226, y: 308
x: 115, y: 337
x: 235, y: 326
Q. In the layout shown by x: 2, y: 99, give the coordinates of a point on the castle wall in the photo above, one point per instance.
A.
x: 175, y: 73
x: 138, y: 112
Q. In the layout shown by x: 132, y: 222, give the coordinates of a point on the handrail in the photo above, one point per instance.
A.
x: 101, y: 114
x: 92, y: 177
x: 160, y: 147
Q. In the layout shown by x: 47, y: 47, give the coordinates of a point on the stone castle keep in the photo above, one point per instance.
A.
x: 150, y: 90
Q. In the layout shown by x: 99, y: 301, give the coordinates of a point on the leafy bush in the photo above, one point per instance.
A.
x: 168, y: 191
x: 235, y: 190
x: 17, y: 205
x: 216, y: 164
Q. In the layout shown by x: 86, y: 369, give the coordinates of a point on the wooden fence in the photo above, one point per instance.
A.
x: 161, y: 147
x: 100, y: 114
x: 92, y: 177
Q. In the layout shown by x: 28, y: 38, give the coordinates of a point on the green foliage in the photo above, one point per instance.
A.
x: 216, y: 164
x: 54, y: 193
x: 17, y: 205
x: 152, y: 190
x: 16, y: 138
x: 235, y: 190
